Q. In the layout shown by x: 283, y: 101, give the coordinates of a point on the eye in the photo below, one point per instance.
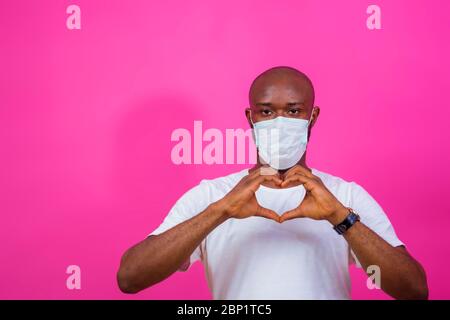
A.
x: 266, y: 112
x: 294, y: 111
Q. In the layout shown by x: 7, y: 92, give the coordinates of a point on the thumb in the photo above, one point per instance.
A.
x: 291, y: 214
x: 266, y: 213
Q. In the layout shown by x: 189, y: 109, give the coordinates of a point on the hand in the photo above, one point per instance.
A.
x: 319, y: 203
x: 241, y: 202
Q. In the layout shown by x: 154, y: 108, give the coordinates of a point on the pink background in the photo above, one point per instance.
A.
x: 86, y: 117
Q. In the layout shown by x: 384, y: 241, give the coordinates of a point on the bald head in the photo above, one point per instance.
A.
x: 282, y: 91
x: 283, y: 83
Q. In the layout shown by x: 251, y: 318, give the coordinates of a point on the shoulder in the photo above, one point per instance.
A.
x: 211, y: 189
x: 333, y: 181
x: 228, y: 180
x: 350, y: 190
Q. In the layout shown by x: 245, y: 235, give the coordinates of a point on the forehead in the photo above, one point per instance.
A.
x: 281, y: 89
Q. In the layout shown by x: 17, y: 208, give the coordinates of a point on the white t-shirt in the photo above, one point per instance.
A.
x: 258, y: 258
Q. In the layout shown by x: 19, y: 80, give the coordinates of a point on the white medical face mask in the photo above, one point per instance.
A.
x: 282, y: 141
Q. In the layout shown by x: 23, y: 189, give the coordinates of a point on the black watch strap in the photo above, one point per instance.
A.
x: 348, y: 222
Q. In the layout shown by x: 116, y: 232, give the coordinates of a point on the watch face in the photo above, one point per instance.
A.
x: 353, y: 218
x: 347, y: 223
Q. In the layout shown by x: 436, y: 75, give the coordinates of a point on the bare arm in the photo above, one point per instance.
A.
x: 157, y: 257
x: 402, y: 277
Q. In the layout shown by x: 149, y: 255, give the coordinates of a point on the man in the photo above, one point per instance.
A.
x: 279, y: 230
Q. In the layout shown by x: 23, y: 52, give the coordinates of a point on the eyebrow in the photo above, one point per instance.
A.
x: 263, y: 104
x: 295, y: 103
x: 289, y: 104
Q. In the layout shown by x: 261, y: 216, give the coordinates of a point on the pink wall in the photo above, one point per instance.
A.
x: 86, y: 117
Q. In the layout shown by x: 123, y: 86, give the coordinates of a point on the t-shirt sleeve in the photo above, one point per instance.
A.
x: 189, y: 205
x: 373, y: 216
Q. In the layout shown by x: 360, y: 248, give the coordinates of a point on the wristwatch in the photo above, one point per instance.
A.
x: 348, y: 222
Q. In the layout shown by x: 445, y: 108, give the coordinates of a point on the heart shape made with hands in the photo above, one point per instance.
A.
x: 285, y: 185
x: 319, y: 203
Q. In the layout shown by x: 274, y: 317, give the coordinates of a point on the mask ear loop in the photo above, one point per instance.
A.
x: 251, y: 120
x: 310, y: 117
x: 253, y: 128
x: 309, y: 122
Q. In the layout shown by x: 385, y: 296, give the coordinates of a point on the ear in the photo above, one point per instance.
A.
x: 248, y: 115
x: 315, y: 115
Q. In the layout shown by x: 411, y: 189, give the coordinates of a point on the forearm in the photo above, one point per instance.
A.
x: 157, y: 257
x: 401, y: 276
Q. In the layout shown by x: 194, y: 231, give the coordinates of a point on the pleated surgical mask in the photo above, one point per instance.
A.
x: 281, y: 141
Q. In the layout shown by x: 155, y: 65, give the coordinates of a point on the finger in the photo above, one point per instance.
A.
x: 298, y: 169
x: 267, y: 213
x: 256, y: 182
x: 268, y: 171
x: 297, y: 178
x: 292, y: 214
x: 252, y: 173
x: 263, y: 170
